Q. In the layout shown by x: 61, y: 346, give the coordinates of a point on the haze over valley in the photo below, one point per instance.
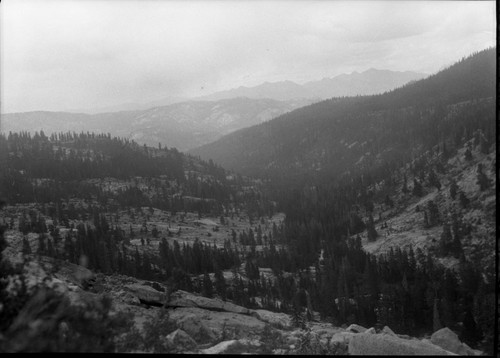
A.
x: 192, y: 123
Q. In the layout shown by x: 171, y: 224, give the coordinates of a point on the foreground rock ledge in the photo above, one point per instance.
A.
x: 447, y: 339
x: 384, y: 344
x: 185, y: 299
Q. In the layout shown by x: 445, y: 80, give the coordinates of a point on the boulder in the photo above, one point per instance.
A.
x: 355, y: 328
x: 222, y: 347
x: 209, y: 326
x: 75, y: 273
x: 447, y: 339
x: 185, y: 299
x: 289, y: 340
x: 370, y: 331
x: 384, y: 344
x: 234, y: 346
x: 341, y: 337
x: 128, y: 298
x: 403, y: 336
x: 131, y: 299
x: 387, y: 330
x: 323, y: 329
x: 279, y: 351
x: 181, y: 341
x: 155, y: 285
x: 147, y: 294
x: 196, y: 329
x: 62, y: 270
x: 278, y: 320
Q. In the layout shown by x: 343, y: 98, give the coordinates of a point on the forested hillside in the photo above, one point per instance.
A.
x: 407, y: 176
x: 355, y: 134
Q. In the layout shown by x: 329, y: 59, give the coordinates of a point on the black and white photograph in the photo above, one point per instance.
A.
x: 268, y: 177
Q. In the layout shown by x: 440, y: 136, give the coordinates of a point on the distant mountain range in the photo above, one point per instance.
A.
x: 184, y: 125
x: 132, y: 106
x: 368, y: 82
x: 338, y: 135
x: 187, y: 124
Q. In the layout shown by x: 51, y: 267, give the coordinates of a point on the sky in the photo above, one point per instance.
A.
x: 66, y: 54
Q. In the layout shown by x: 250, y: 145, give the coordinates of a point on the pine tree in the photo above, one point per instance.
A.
x: 433, y: 180
x: 137, y: 261
x: 50, y: 248
x: 405, y: 185
x: 417, y: 188
x: 464, y: 200
x: 436, y: 321
x: 26, y: 246
x: 41, y: 244
x: 388, y: 201
x: 484, y: 145
x: 446, y: 242
x: 456, y: 247
x: 371, y: 232
x: 220, y: 283
x: 444, y: 152
x: 207, y: 289
x: 426, y: 220
x: 433, y: 213
x: 468, y: 154
x: 482, y: 180
x: 298, y: 319
x: 146, y: 266
x: 453, y: 189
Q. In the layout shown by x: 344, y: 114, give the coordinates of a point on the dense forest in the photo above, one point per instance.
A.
x: 55, y: 169
x: 318, y: 265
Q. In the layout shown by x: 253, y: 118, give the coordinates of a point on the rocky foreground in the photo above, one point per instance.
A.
x: 183, y: 322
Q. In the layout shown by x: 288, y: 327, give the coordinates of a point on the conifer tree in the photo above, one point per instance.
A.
x: 482, y: 180
x: 484, y: 145
x: 137, y: 259
x: 146, y: 266
x: 50, y: 248
x: 417, y: 188
x: 464, y: 200
x: 468, y: 154
x: 26, y: 246
x: 388, y: 201
x: 370, y: 227
x: 433, y: 179
x: 446, y: 242
x: 426, y: 219
x: 436, y: 321
x: 405, y: 185
x: 433, y: 213
x: 41, y: 244
x: 453, y: 188
x: 207, y: 288
x: 445, y: 154
x: 220, y: 283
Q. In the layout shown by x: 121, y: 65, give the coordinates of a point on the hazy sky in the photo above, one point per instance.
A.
x: 59, y: 55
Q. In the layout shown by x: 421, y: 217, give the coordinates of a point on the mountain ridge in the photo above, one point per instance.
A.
x: 334, y: 134
x: 371, y: 81
x: 182, y: 125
